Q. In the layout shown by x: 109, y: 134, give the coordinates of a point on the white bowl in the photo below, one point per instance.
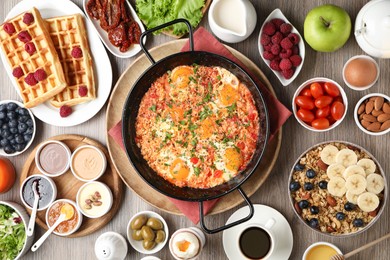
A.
x: 2, y: 153
x: 318, y: 244
x: 102, y: 186
x: 26, y: 219
x: 362, y: 57
x: 39, y: 151
x: 134, y: 48
x: 77, y: 211
x: 277, y: 13
x: 52, y: 184
x: 307, y: 83
x: 102, y: 156
x: 355, y: 113
x: 137, y: 245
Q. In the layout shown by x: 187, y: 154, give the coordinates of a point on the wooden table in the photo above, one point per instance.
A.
x: 274, y: 191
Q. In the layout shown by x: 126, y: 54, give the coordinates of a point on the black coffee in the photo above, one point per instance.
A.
x: 255, y: 243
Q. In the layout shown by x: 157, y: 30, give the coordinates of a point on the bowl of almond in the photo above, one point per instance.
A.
x: 372, y: 114
x: 337, y: 188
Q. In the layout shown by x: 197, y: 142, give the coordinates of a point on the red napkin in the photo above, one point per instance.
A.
x: 278, y: 113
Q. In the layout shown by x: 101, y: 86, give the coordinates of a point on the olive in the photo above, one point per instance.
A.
x: 148, y: 245
x: 138, y: 222
x: 155, y: 223
x: 136, y: 235
x: 160, y: 236
x: 147, y: 233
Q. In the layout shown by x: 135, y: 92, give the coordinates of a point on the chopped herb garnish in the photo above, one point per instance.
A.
x: 192, y: 127
x: 196, y: 171
x: 218, y: 121
x: 225, y: 140
x: 153, y: 108
x: 194, y: 142
x: 232, y: 108
x: 167, y: 164
x: 182, y: 122
x: 213, y: 145
x: 237, y: 149
x: 188, y: 112
x: 206, y: 112
x: 219, y: 77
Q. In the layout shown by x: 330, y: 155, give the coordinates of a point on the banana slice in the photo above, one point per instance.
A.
x: 368, y: 201
x: 335, y: 170
x: 352, y: 197
x: 375, y: 183
x: 356, y: 184
x: 353, y: 170
x: 328, y: 154
x: 368, y: 165
x: 346, y: 157
x: 336, y: 186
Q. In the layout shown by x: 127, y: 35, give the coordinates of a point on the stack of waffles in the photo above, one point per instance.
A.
x: 50, y: 60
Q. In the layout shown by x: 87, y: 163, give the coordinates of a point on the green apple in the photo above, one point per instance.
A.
x: 327, y: 28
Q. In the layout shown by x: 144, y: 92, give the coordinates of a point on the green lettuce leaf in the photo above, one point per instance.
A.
x: 156, y: 12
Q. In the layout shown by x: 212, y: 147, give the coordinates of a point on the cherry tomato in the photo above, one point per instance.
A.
x: 306, y: 92
x: 252, y: 116
x: 305, y: 115
x: 323, y: 112
x: 323, y: 101
x: 337, y: 110
x: 218, y: 173
x: 339, y: 98
x: 241, y: 145
x: 320, y: 123
x: 331, y: 89
x: 316, y: 90
x: 304, y: 102
x: 331, y: 120
x: 194, y: 160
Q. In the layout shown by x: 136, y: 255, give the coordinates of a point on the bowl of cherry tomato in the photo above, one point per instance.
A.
x: 319, y: 104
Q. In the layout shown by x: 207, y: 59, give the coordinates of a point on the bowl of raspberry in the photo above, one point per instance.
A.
x: 319, y: 104
x: 281, y: 47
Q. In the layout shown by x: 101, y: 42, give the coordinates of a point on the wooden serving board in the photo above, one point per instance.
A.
x: 68, y: 185
x: 126, y: 170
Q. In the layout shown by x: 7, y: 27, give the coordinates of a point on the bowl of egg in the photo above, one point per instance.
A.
x: 187, y: 243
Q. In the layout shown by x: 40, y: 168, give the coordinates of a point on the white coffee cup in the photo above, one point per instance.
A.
x: 249, y: 248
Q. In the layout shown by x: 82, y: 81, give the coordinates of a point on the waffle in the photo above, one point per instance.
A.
x: 67, y: 33
x: 45, y: 57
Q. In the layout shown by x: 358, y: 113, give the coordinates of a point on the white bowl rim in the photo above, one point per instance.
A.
x: 159, y: 246
x: 102, y: 155
x: 39, y: 151
x: 2, y: 153
x: 305, y: 84
x: 78, y: 201
x: 364, y: 57
x: 320, y: 243
x: 80, y: 220
x: 52, y: 184
x: 355, y: 114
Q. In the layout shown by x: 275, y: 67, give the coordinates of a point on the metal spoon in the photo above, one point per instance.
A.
x: 67, y: 212
x: 342, y: 257
x: 31, y: 224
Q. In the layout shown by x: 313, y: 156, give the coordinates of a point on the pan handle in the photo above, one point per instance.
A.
x: 180, y: 20
x: 240, y: 221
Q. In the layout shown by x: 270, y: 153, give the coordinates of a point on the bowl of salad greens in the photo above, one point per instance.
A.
x: 13, y: 224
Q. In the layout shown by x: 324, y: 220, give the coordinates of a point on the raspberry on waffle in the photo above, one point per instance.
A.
x: 70, y: 40
x: 28, y: 48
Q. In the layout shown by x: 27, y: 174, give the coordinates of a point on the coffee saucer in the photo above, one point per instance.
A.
x: 281, y: 229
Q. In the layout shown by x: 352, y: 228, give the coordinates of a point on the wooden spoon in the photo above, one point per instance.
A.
x: 354, y: 252
x: 67, y: 212
x: 31, y: 224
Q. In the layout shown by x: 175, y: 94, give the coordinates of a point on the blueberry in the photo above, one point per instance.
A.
x: 23, y: 118
x: 308, y: 186
x: 12, y: 141
x: 340, y: 215
x: 314, y: 210
x: 9, y: 149
x: 294, y: 186
x: 323, y: 184
x: 314, y: 223
x: 23, y: 112
x: 303, y: 204
x: 29, y: 131
x: 27, y: 138
x: 5, y: 126
x: 29, y: 122
x: 13, y: 123
x: 5, y: 133
x: 4, y: 142
x: 22, y: 127
x: 11, y: 106
x: 299, y: 167
x: 10, y: 137
x: 349, y: 206
x: 2, y: 114
x: 11, y: 114
x: 310, y: 173
x: 19, y: 139
x: 3, y: 107
x: 358, y: 222
x: 19, y: 147
x: 13, y: 130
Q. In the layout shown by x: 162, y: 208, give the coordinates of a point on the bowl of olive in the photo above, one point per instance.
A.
x: 147, y: 232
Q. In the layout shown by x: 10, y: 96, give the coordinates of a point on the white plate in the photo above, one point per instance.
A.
x: 102, y: 66
x: 282, y: 231
x: 134, y: 48
x: 278, y: 14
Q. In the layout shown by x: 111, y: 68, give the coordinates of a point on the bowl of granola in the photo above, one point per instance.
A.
x: 337, y: 188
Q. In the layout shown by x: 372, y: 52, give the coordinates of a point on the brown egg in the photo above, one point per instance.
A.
x: 360, y: 72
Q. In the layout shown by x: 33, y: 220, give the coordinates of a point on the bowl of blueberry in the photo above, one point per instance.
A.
x: 17, y: 128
